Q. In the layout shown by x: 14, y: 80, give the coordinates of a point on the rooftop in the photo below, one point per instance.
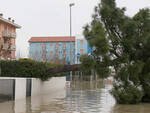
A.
x: 52, y: 39
x: 9, y: 22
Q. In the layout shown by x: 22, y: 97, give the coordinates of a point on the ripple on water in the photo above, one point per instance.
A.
x: 84, y: 97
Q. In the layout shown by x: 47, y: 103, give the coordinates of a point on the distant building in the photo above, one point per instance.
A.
x: 82, y: 47
x: 57, y: 49
x: 52, y: 49
x: 7, y: 38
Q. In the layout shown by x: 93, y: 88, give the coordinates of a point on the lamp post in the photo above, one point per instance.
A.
x: 71, y: 4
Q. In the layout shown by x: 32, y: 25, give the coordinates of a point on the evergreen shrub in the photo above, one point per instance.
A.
x: 127, y: 94
x: 26, y: 68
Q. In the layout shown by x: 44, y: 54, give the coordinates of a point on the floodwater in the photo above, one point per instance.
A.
x: 83, y: 97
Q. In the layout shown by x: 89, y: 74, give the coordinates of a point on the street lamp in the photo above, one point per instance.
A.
x: 71, y: 4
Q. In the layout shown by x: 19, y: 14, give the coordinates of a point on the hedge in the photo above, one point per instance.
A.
x: 26, y: 68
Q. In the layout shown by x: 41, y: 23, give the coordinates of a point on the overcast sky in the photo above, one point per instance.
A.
x: 51, y: 17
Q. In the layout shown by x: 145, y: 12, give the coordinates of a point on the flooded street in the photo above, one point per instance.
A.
x: 83, y: 97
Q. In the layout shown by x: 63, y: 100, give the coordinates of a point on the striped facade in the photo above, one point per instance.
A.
x: 82, y: 48
x: 52, y: 49
x: 57, y: 49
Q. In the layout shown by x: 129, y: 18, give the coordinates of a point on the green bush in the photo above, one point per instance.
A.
x: 86, y: 63
x: 146, y: 97
x: 127, y: 94
x: 25, y: 68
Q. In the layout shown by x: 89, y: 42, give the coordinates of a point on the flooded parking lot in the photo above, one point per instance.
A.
x: 82, y: 97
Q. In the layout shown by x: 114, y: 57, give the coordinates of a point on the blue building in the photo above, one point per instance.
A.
x: 57, y: 49
x: 82, y: 47
x: 52, y: 49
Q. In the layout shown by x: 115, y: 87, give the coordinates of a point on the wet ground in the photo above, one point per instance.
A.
x: 83, y: 97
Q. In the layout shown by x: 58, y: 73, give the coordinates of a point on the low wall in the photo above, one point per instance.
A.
x: 19, y: 88
x: 12, y: 87
x: 6, y: 89
x: 53, y: 85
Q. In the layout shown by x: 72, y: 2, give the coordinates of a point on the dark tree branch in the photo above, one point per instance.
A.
x: 117, y: 33
x: 64, y: 68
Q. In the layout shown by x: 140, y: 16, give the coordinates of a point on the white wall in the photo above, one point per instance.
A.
x: 20, y: 88
x: 53, y: 85
x: 44, y: 92
x: 6, y: 87
x: 38, y: 87
x: 35, y: 86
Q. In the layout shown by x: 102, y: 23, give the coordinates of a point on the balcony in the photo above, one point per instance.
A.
x: 9, y: 34
x: 13, y: 35
x: 13, y: 47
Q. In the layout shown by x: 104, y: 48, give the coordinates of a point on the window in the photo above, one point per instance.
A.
x: 9, y: 29
x: 51, y: 44
x: 81, y: 42
x: 51, y: 52
x: 59, y: 44
x: 64, y: 55
x: 43, y: 45
x: 59, y: 51
x: 36, y: 53
x: 64, y: 52
x: 81, y: 51
x: 5, y: 28
x: 5, y: 41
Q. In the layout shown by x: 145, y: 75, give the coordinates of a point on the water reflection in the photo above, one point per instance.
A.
x: 89, y: 97
x: 83, y: 97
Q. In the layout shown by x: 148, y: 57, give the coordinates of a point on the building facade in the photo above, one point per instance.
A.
x: 7, y: 38
x: 52, y: 49
x: 82, y: 48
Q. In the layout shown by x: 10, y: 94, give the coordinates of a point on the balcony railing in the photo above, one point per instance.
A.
x: 9, y: 34
x: 13, y: 47
x: 10, y: 48
x: 13, y: 35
